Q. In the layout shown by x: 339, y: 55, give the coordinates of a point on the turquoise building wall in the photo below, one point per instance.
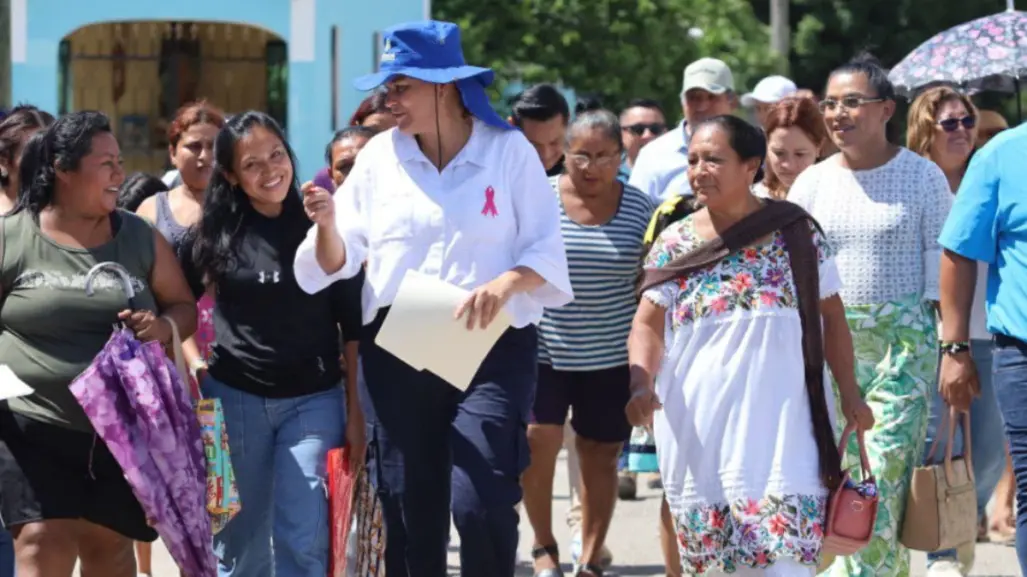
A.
x: 38, y: 26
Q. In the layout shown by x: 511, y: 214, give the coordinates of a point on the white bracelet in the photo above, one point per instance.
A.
x: 196, y: 366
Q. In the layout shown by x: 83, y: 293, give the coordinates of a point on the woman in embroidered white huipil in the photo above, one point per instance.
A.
x: 735, y: 437
x: 882, y: 208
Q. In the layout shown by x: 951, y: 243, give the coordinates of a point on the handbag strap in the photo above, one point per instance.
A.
x: 179, y: 354
x: 864, y: 457
x: 949, y: 421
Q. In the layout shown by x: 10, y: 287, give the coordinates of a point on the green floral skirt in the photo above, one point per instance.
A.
x: 896, y: 367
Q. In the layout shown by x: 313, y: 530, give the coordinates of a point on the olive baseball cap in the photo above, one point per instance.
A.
x: 709, y: 74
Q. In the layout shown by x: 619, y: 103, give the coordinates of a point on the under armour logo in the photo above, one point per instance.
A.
x: 268, y: 277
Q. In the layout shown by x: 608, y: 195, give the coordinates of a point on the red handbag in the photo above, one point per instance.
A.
x: 852, y: 507
x: 341, y: 484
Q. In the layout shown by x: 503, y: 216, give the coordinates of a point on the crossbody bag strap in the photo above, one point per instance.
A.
x: 774, y: 215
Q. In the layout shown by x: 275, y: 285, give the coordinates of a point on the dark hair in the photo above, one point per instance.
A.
x: 199, y: 112
x: 602, y: 120
x: 587, y: 103
x: 21, y: 119
x: 138, y: 187
x: 868, y: 65
x: 227, y: 209
x: 746, y: 140
x: 373, y: 104
x: 541, y: 102
x: 348, y: 132
x: 60, y: 147
x: 644, y: 103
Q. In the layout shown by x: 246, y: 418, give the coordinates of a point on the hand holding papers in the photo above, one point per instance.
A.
x: 11, y: 386
x: 422, y: 331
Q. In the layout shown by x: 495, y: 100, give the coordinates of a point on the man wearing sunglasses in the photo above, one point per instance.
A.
x: 661, y: 169
x: 641, y: 122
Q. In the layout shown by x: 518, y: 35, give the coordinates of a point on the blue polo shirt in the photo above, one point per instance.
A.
x: 988, y: 223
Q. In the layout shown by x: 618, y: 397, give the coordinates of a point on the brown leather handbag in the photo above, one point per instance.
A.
x: 941, y: 507
x: 852, y: 507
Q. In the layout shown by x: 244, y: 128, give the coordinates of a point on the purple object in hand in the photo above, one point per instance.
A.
x: 140, y: 407
x: 323, y: 178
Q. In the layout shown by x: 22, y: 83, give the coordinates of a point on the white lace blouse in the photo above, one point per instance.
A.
x: 883, y: 224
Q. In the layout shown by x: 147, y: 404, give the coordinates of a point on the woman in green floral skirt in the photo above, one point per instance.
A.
x: 882, y: 208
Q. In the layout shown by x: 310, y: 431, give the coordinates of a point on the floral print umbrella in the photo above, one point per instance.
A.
x: 140, y: 408
x: 989, y: 53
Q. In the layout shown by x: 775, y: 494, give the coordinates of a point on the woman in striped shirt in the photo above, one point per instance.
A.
x: 583, y: 345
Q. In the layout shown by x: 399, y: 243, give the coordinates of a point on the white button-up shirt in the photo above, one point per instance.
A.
x: 661, y: 169
x: 490, y: 209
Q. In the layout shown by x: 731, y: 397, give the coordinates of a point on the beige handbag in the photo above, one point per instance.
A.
x: 941, y: 508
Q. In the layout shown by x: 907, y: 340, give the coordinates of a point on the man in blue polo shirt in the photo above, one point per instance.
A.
x: 988, y: 223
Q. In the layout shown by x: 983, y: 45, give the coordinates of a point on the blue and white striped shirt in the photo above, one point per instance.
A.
x: 591, y: 333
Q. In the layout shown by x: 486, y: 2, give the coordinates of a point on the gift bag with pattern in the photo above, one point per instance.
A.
x: 370, y: 528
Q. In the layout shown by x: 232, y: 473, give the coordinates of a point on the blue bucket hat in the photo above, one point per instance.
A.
x: 430, y: 51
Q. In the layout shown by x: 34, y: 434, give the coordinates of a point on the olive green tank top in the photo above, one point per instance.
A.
x: 51, y: 330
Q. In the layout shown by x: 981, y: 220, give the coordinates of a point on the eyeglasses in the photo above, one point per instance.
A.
x: 952, y: 124
x: 583, y: 161
x: 848, y: 103
x: 639, y: 129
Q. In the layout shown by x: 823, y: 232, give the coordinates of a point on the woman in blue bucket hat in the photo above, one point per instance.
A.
x: 454, y: 193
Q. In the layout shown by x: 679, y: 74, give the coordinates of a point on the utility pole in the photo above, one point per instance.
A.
x: 5, y: 54
x: 780, y: 30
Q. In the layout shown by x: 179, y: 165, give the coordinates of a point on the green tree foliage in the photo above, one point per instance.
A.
x: 617, y: 49
x: 826, y: 33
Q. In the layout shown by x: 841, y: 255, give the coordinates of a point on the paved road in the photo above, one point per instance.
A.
x: 635, y: 542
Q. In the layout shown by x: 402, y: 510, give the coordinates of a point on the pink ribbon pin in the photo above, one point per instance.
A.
x: 490, y: 203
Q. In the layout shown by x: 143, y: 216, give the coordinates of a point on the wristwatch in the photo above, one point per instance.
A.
x: 953, y: 347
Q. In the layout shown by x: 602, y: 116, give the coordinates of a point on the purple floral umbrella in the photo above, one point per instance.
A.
x: 139, y: 406
x: 989, y: 53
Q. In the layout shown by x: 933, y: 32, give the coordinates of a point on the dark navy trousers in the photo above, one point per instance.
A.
x: 434, y: 450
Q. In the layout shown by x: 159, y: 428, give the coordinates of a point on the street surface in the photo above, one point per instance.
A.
x: 634, y: 541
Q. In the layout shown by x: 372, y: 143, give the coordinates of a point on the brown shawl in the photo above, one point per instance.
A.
x: 794, y: 223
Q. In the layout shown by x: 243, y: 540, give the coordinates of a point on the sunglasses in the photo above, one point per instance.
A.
x: 848, y: 103
x: 639, y: 129
x: 952, y: 124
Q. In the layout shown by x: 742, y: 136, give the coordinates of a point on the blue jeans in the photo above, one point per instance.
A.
x: 279, y: 449
x: 989, y: 448
x: 1010, y: 375
x: 6, y: 554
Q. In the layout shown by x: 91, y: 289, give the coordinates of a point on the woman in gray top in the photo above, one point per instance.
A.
x: 62, y: 494
x: 191, y: 147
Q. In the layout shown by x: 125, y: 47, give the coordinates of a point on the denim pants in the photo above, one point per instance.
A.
x: 6, y: 554
x: 279, y: 451
x: 987, y: 439
x: 434, y: 451
x: 1009, y: 358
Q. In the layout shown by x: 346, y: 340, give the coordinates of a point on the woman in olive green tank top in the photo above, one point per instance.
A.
x: 61, y: 492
